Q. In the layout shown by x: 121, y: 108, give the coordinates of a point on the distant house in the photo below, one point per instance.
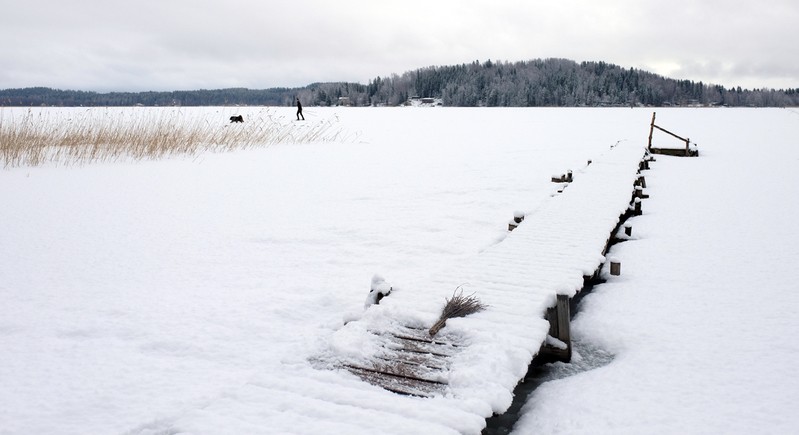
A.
x: 423, y: 102
x: 344, y: 101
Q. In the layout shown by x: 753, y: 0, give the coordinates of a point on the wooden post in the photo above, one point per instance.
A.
x: 637, y: 211
x: 559, y: 317
x: 628, y: 229
x: 642, y: 181
x: 518, y: 217
x: 651, y: 130
x: 615, y: 267
x: 687, y: 147
x: 564, y: 317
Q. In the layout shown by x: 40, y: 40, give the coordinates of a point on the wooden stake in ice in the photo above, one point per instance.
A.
x: 457, y: 306
x: 518, y: 217
x: 615, y: 269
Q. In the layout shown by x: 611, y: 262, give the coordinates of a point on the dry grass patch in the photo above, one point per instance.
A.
x: 79, y: 136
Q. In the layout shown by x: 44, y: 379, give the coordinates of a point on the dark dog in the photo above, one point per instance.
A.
x: 237, y: 118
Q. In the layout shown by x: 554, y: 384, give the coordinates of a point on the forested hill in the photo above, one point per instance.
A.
x: 541, y: 82
x: 203, y: 97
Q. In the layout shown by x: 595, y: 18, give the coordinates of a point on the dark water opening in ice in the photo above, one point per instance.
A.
x: 584, y: 357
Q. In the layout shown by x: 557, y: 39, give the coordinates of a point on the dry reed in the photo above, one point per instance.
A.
x: 457, y: 306
x: 83, y: 136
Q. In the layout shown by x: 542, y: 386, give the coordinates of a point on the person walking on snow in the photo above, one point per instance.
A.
x: 299, y: 110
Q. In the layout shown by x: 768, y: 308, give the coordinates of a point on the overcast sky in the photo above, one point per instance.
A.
x: 134, y: 45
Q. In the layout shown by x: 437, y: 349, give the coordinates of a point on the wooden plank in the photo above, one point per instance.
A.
x: 424, y: 339
x: 398, y: 384
x: 423, y: 334
x: 402, y: 369
x: 423, y: 347
x: 413, y: 358
x: 411, y: 363
x: 666, y: 131
x: 679, y: 152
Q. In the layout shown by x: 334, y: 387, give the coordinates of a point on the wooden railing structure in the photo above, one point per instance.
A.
x: 687, y: 152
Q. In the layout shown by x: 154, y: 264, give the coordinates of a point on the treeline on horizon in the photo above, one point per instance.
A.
x: 534, y: 83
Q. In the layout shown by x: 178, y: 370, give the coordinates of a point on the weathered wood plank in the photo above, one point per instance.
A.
x: 418, y: 346
x: 411, y: 362
x: 402, y: 369
x: 666, y: 131
x: 679, y: 152
x: 423, y: 334
x: 398, y: 384
x: 413, y: 358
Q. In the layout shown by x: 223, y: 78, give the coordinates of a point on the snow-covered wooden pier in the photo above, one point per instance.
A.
x: 382, y: 373
x: 468, y: 371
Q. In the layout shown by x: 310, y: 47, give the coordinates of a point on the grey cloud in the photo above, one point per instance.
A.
x: 182, y: 44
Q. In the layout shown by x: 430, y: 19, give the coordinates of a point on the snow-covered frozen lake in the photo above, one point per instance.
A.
x: 135, y: 295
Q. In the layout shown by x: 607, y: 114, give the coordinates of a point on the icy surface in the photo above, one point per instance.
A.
x: 191, y: 294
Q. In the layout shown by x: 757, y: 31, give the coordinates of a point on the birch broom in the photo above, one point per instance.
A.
x: 457, y: 306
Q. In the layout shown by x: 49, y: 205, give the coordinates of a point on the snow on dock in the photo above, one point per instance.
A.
x: 469, y: 370
x: 382, y: 373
